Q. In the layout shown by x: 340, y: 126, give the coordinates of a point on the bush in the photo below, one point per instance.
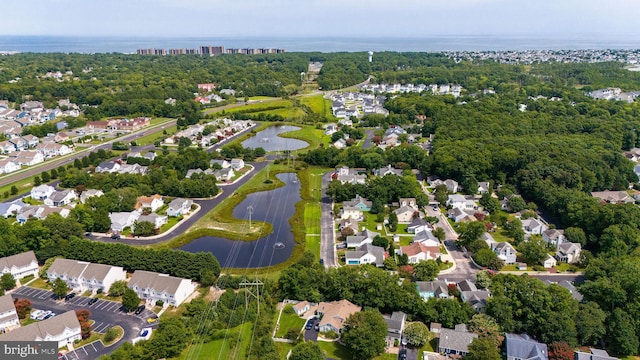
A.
x: 289, y: 310
x: 539, y: 268
x: 330, y: 334
x: 159, y: 303
x: 111, y: 334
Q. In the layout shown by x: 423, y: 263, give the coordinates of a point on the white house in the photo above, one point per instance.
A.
x: 237, y: 164
x: 20, y: 265
x: 353, y: 212
x: 27, y: 157
x: 12, y: 208
x: 365, y: 254
x: 63, y: 329
x: 417, y: 252
x: 153, y: 202
x: 8, y: 166
x: 155, y: 219
x: 52, y: 149
x: 90, y: 193
x: 364, y: 237
x: 60, y: 198
x: 549, y: 262
x: 452, y: 185
x: 179, y: 207
x: 223, y: 163
x: 122, y: 220
x: 83, y: 276
x: 224, y: 174
x: 42, y: 192
x: 569, y: 252
x: 108, y: 167
x: 8, y: 314
x: 505, y: 251
x: 533, y: 226
x: 153, y: 287
x: 554, y: 237
x: 457, y: 201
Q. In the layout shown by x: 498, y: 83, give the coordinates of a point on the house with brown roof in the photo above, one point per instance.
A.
x: 20, y: 265
x: 613, y: 197
x: 64, y: 329
x: 153, y: 287
x: 334, y: 314
x: 417, y: 252
x: 153, y: 202
x: 8, y: 315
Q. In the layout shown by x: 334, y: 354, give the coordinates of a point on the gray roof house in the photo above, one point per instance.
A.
x: 359, y: 202
x: 429, y: 289
x: 11, y: 208
x: 64, y: 329
x: 365, y: 254
x: 456, y: 341
x: 179, y: 207
x: 522, y: 346
x: 594, y: 354
x: 569, y: 252
x: 61, y: 198
x: 8, y: 315
x: 20, y: 265
x: 395, y: 326
x: 153, y: 286
x: 90, y: 193
x: 506, y: 252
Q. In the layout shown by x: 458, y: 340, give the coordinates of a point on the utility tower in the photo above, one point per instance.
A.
x: 252, y: 288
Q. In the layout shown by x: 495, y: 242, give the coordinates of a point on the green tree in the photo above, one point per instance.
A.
x: 7, y: 282
x: 307, y: 350
x: 426, y: 270
x: 440, y: 194
x: 533, y: 251
x: 590, y: 323
x: 490, y: 203
x: 575, y: 235
x: 169, y: 340
x: 439, y: 233
x: 118, y: 288
x: 483, y: 279
x: 621, y: 332
x: 486, y: 327
x: 390, y: 264
x: 45, y: 177
x: 364, y: 334
x: 130, y: 299
x: 470, y: 232
x: 144, y: 228
x: 54, y: 174
x: 482, y: 349
x: 60, y: 288
x: 417, y: 334
x: 14, y: 190
x: 516, y: 203
x: 37, y: 181
x: 393, y: 222
x: 380, y: 241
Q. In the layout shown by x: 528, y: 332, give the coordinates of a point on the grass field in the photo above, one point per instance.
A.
x: 259, y: 107
x: 386, y: 356
x: 288, y: 114
x: 307, y: 133
x: 319, y: 105
x: 289, y: 321
x: 234, y: 346
x: 283, y: 349
x: 150, y: 139
x: 261, y: 98
x: 334, y: 350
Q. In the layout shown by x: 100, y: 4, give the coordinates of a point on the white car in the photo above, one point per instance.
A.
x: 35, y: 313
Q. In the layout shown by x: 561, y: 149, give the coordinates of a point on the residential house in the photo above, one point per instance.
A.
x: 365, y: 254
x: 366, y: 236
x: 452, y: 185
x: 7, y: 147
x: 346, y: 175
x: 418, y: 225
x: 237, y: 164
x: 61, y: 137
x: 154, y: 287
x: 90, y: 193
x: 353, y: 212
x: 155, y: 219
x: 470, y: 294
x: 594, y: 354
x: 39, y: 212
x: 554, y: 237
x: 11, y: 208
x: 20, y: 265
x: 613, y: 197
x: 224, y: 174
x: 457, y: 201
x: 108, y: 167
x: 458, y: 215
x: 8, y: 315
x: 27, y: 157
x: 456, y: 341
x: 8, y: 166
x: 42, y: 192
x: 132, y: 169
x: 61, y: 198
x: 484, y: 187
x: 122, y: 220
x: 406, y: 214
x: 149, y: 155
x: 429, y: 289
x: 569, y: 252
x: 334, y: 314
x: 223, y: 163
x: 522, y: 346
x: 200, y: 172
x: 417, y: 252
x: 359, y: 202
x: 505, y: 251
x: 52, y: 149
x: 426, y: 238
x: 153, y: 202
x: 340, y: 143
x: 489, y: 240
x: 533, y: 226
x: 395, y: 327
x: 83, y: 276
x: 548, y: 262
x: 19, y: 143
x: 330, y: 129
x: 32, y: 141
x: 179, y: 207
x: 388, y: 170
x: 301, y: 308
x: 63, y: 329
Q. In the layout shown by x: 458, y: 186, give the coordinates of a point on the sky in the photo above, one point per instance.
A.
x: 320, y: 18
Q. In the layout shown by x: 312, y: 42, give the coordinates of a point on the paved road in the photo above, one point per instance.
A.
x: 57, y: 162
x: 367, y: 140
x: 205, y: 207
x: 327, y: 228
x: 105, y: 313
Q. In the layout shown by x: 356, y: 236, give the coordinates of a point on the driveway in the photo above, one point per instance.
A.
x: 104, y: 313
x: 312, y: 335
x: 368, y: 139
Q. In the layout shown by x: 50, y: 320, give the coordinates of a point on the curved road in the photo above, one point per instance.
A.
x: 205, y: 206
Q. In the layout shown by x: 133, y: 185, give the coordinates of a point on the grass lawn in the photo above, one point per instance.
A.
x: 319, y: 105
x: 234, y: 346
x: 283, y: 349
x: 94, y: 337
x: 405, y: 240
x: 334, y: 350
x: 501, y: 236
x: 307, y: 133
x: 289, y: 321
x: 40, y: 283
x: 386, y: 356
x: 312, y: 214
x: 120, y: 331
x: 26, y: 279
x: 261, y: 107
x: 259, y: 98
x: 287, y: 113
x: 24, y: 186
x: 371, y: 223
x: 171, y: 222
x: 430, y: 346
x: 26, y: 321
x: 152, y: 138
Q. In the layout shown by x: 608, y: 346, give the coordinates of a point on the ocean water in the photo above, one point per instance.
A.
x: 77, y: 44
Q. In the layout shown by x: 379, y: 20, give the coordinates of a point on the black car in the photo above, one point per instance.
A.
x: 139, y: 310
x: 69, y: 296
x: 309, y: 324
x: 92, y: 301
x: 402, y: 355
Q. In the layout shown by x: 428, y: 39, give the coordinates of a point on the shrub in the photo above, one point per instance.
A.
x: 111, y: 334
x: 159, y: 303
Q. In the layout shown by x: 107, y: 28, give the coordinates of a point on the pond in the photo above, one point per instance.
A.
x: 269, y: 140
x: 276, y: 207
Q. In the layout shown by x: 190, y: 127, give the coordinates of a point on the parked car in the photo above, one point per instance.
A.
x: 309, y: 324
x: 92, y: 301
x: 35, y: 313
x: 43, y: 315
x: 69, y: 296
x: 140, y: 309
x: 49, y: 316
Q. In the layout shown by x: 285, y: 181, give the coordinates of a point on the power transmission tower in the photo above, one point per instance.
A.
x: 251, y: 291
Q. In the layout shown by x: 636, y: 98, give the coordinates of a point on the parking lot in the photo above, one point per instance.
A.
x: 104, y: 313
